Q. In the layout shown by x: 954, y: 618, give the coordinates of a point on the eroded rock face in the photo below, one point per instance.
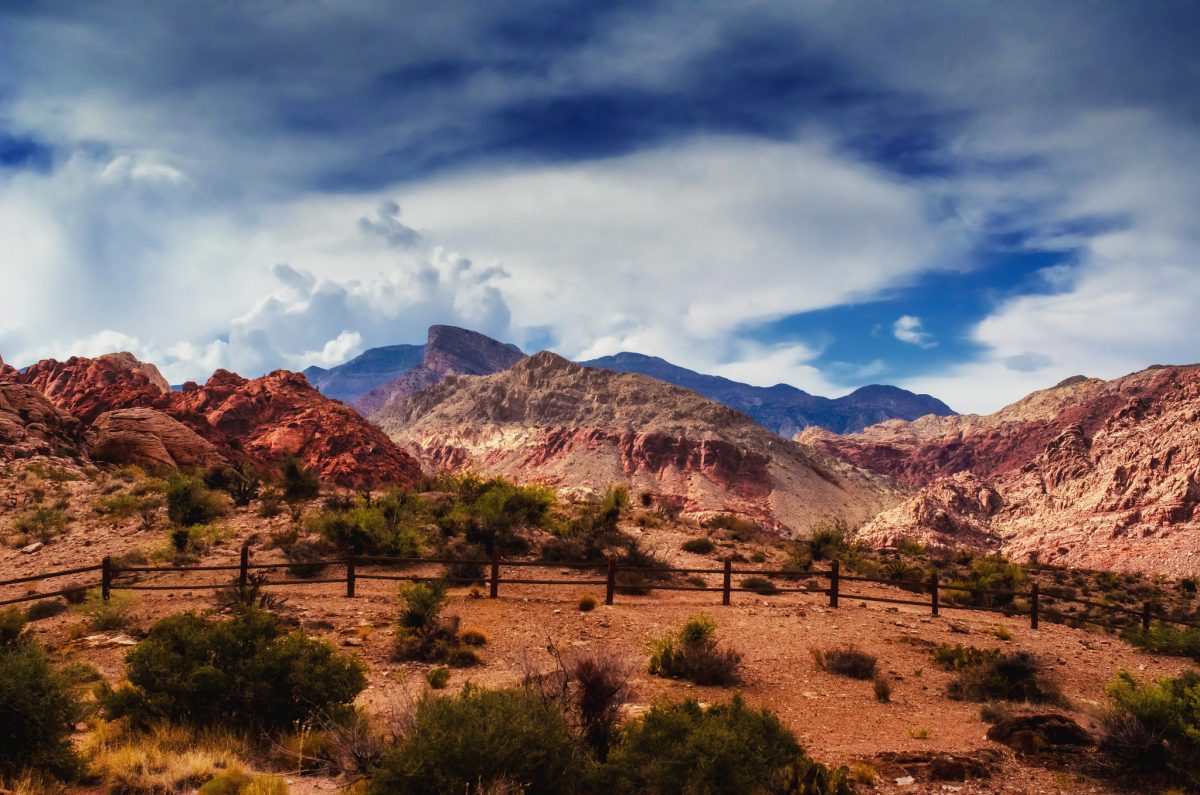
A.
x: 150, y: 439
x: 133, y: 416
x: 1090, y: 473
x: 32, y: 425
x: 950, y: 512
x: 549, y: 420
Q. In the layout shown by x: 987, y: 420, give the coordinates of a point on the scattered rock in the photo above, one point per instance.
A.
x: 34, y: 547
x: 1029, y: 734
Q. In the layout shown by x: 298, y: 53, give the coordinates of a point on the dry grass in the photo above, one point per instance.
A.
x: 164, y: 759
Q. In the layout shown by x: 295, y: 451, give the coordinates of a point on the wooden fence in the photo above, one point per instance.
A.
x: 115, y: 577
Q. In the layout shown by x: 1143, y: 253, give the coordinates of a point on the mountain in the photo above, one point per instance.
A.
x: 448, y: 350
x: 785, y: 409
x: 1093, y: 473
x: 347, y: 382
x: 580, y: 428
x: 117, y: 409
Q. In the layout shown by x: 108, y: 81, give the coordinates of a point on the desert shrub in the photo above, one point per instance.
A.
x: 147, y: 510
x: 468, y: 569
x: 994, y: 675
x: 827, y: 539
x: 846, y: 661
x: 270, y: 503
x: 599, y: 685
x: 587, y: 603
x: 41, y: 523
x: 702, y: 545
x: 304, y: 557
x: 472, y: 637
x: 243, y: 672
x: 477, y: 740
x: 1166, y: 639
x: 251, y: 593
x: 190, y: 502
x: 298, y: 482
x: 185, y: 542
x: 760, y: 585
x: 118, y: 506
x: 1155, y: 725
x: 732, y: 526
x: 883, y: 690
x: 798, y: 560
x: 692, y: 653
x: 37, y: 709
x: 46, y: 608
x: 239, y: 482
x: 992, y: 573
x: 423, y: 634
x: 438, y: 677
x: 647, y: 567
x: 236, y: 781
x: 367, y: 529
x: 104, y: 616
x: 994, y: 712
x: 683, y: 748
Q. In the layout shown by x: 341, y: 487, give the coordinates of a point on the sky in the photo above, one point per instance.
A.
x: 973, y: 200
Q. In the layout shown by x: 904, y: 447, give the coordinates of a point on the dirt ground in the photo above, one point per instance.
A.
x: 837, y: 719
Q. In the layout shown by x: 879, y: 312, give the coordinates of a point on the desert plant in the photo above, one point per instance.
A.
x: 438, y: 677
x: 994, y: 675
x: 733, y: 527
x: 36, y: 707
x: 249, y: 593
x: 701, y: 545
x: 883, y: 689
x: 45, y: 608
x: 760, y: 585
x: 367, y: 529
x: 476, y: 740
x: 243, y: 672
x: 1166, y: 639
x: 105, y: 615
x: 190, y: 502
x: 587, y: 603
x: 846, y: 661
x: 421, y: 632
x: 239, y: 482
x: 299, y: 483
x: 599, y: 683
x: 692, y: 653
x: 305, y: 557
x: 270, y: 503
x: 118, y: 506
x: 1155, y: 725
x: 41, y: 523
x: 994, y: 712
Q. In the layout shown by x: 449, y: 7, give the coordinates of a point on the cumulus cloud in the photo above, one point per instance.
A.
x: 907, y: 328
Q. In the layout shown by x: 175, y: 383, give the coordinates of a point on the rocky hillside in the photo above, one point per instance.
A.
x: 1102, y: 474
x: 448, y: 350
x: 116, y: 409
x: 784, y: 409
x: 550, y: 420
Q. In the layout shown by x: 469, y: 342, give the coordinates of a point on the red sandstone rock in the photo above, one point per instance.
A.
x: 87, y: 388
x: 31, y: 425
x: 148, y: 438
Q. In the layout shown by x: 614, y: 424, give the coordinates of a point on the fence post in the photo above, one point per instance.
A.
x: 610, y: 584
x: 105, y: 577
x: 834, y: 575
x: 1146, y: 617
x: 495, y: 580
x: 244, y: 571
x: 933, y: 590
x: 1033, y: 606
x: 725, y: 583
x: 351, y: 574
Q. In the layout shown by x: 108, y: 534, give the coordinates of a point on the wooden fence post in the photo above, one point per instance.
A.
x: 834, y: 575
x: 933, y: 591
x: 1146, y: 617
x: 244, y: 571
x: 610, y: 584
x: 726, y: 582
x: 1033, y: 606
x: 494, y: 584
x: 105, y: 577
x: 351, y: 574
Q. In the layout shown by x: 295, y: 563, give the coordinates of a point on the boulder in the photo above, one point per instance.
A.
x: 148, y: 438
x: 1030, y: 734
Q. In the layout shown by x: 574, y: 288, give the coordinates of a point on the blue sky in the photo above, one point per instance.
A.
x: 971, y: 200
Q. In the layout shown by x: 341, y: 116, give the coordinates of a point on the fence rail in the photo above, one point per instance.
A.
x: 112, y: 578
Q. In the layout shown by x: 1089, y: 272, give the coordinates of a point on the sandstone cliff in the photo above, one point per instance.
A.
x: 550, y: 420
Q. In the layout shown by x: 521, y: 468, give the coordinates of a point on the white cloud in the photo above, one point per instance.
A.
x: 907, y: 328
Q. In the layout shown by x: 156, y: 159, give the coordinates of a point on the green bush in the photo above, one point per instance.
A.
x: 480, y: 740
x: 692, y: 653
x: 827, y: 540
x: 1155, y: 726
x: 438, y: 677
x: 760, y: 585
x: 734, y: 527
x: 104, y: 616
x: 368, y: 530
x: 992, y: 573
x: 1166, y: 639
x: 299, y: 483
x: 994, y: 675
x: 37, y: 709
x: 243, y: 672
x: 421, y: 632
x: 118, y: 506
x: 41, y: 523
x: 190, y: 502
x: 239, y: 482
x: 683, y: 748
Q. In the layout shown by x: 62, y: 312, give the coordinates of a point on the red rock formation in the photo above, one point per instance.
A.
x: 259, y: 420
x: 150, y: 439
x: 1091, y: 473
x: 581, y: 429
x: 31, y: 425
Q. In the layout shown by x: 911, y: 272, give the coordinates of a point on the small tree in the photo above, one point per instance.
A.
x: 299, y: 482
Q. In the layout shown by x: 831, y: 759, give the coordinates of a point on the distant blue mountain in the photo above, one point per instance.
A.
x: 374, y: 367
x: 785, y: 409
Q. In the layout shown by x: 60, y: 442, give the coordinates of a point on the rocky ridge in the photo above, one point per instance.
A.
x: 547, y: 419
x: 114, y: 408
x: 1090, y: 473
